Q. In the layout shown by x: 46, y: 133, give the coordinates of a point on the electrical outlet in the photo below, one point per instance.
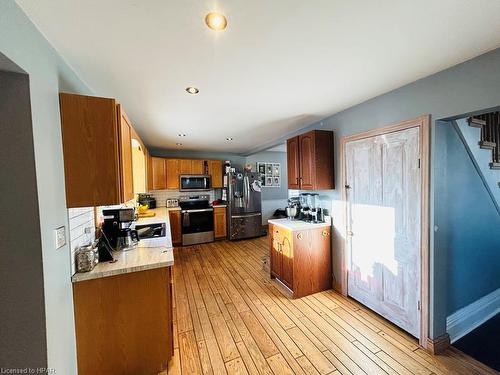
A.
x: 60, y: 237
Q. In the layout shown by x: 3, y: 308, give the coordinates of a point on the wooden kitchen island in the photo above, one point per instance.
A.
x: 123, y: 314
x: 300, y: 255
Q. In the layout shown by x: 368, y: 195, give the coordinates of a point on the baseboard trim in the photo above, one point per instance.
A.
x: 439, y: 344
x: 472, y: 316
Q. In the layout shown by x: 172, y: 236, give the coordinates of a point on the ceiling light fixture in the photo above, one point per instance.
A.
x: 178, y: 144
x: 181, y: 135
x: 229, y: 139
x: 192, y: 90
x: 216, y: 21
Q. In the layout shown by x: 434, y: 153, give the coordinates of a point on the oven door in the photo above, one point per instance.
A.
x: 197, y: 226
x: 194, y: 183
x: 196, y: 221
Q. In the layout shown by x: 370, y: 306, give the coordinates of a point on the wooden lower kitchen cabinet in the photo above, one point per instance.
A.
x: 175, y: 226
x: 301, y: 257
x: 220, y: 229
x: 124, y: 323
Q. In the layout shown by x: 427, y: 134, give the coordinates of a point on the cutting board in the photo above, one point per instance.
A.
x: 147, y: 214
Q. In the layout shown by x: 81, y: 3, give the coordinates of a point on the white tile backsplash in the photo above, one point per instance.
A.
x: 80, y: 219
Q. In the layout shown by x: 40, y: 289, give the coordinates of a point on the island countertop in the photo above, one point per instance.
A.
x: 295, y: 225
x: 139, y: 259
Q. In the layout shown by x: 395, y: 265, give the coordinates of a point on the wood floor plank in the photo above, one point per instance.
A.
x: 190, y: 357
x: 320, y: 362
x: 307, y: 366
x: 247, y: 359
x: 230, y: 317
x: 236, y: 367
x: 279, y: 365
x: 227, y: 345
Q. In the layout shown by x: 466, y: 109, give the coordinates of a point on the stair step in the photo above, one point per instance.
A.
x: 494, y: 165
x: 487, y: 145
x: 475, y: 122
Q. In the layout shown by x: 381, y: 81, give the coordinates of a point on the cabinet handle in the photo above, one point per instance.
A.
x: 297, y: 179
x: 299, y: 236
x: 325, y: 233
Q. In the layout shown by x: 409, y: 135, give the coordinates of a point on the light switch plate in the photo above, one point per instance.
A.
x: 60, y: 237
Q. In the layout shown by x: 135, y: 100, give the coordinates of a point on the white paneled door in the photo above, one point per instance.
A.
x: 383, y: 225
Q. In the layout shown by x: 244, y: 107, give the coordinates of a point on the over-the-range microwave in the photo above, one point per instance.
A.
x: 196, y: 182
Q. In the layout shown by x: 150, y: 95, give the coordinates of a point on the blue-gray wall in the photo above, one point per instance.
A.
x: 272, y: 198
x: 470, y: 225
x: 462, y: 89
x: 48, y: 74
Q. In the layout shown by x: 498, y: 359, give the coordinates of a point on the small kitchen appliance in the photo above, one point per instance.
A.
x: 116, y: 228
x: 197, y: 182
x: 146, y: 199
x: 293, y: 208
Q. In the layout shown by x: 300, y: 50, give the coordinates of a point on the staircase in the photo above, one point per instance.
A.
x: 489, y: 124
x: 485, y: 157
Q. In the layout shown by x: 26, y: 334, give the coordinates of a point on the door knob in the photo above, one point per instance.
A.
x: 350, y: 233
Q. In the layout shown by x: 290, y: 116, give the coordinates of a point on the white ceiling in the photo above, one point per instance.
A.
x: 279, y: 66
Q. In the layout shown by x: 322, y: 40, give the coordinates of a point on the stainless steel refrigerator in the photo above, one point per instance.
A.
x: 244, y: 205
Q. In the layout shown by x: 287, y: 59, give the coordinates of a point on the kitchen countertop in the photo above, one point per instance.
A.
x: 139, y: 259
x: 295, y: 225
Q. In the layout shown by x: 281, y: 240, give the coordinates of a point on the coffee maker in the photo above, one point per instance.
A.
x: 116, y: 228
x: 310, y: 210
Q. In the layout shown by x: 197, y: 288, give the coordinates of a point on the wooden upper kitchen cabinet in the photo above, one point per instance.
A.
x: 173, y: 168
x: 220, y: 230
x: 158, y: 175
x: 97, y: 157
x: 197, y: 166
x: 191, y: 166
x: 301, y: 259
x: 175, y: 226
x: 292, y: 152
x: 215, y: 170
x: 310, y: 161
x: 126, y: 153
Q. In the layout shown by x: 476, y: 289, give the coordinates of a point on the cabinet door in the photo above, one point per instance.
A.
x: 197, y: 167
x: 215, y: 170
x: 293, y: 162
x: 220, y: 222
x: 173, y: 167
x: 175, y: 226
x: 185, y: 166
x: 91, y: 148
x: 275, y: 257
x: 287, y: 259
x: 307, y: 161
x: 158, y: 174
x: 125, y: 135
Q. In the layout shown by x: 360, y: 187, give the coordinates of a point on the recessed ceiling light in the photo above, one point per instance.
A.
x: 181, y: 135
x: 178, y: 144
x: 192, y: 90
x: 216, y: 21
x: 229, y: 139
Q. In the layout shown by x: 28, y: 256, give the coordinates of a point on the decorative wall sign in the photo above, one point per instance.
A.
x: 270, y: 174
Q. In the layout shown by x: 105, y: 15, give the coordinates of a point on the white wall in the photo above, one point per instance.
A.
x: 23, y: 43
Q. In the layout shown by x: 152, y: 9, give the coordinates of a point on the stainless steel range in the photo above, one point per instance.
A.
x: 197, y: 219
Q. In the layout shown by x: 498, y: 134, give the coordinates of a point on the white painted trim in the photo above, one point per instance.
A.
x: 470, y: 317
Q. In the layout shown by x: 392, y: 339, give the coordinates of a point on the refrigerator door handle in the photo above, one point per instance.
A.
x: 247, y: 215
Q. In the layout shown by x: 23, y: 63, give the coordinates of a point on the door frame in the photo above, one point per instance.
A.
x: 423, y: 123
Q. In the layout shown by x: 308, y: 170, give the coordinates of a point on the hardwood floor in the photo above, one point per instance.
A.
x: 229, y: 317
